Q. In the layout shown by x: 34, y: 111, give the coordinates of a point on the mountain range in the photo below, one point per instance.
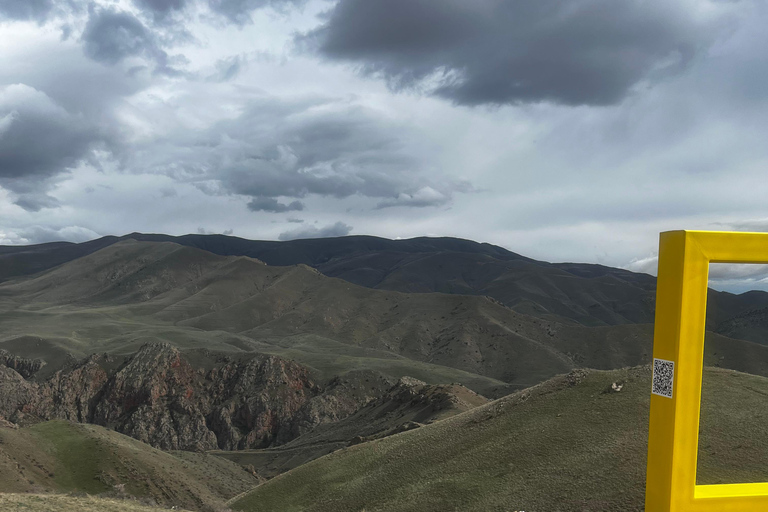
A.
x: 589, y: 294
x: 274, y: 354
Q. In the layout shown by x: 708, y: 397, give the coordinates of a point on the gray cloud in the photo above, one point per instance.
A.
x: 730, y: 277
x: 161, y: 9
x: 423, y: 197
x: 571, y: 52
x: 754, y: 225
x: 38, y: 140
x: 239, y: 11
x: 44, y: 234
x: 229, y: 68
x: 55, y: 115
x: 333, y: 230
x: 291, y: 149
x: 36, y: 201
x: 37, y: 10
x: 112, y: 36
x: 66, y: 31
x: 647, y: 265
x: 270, y: 204
x: 203, y: 231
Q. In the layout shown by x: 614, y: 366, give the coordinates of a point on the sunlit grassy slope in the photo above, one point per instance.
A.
x: 569, y: 444
x: 59, y: 456
x: 60, y: 503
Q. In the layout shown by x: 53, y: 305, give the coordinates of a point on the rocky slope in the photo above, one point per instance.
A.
x: 157, y: 396
x: 407, y: 405
x: 24, y: 366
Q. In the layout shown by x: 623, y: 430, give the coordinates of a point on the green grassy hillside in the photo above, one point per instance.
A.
x: 60, y: 503
x: 569, y: 444
x: 59, y: 456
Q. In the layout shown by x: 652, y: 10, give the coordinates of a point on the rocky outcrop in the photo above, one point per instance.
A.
x: 158, y: 397
x: 25, y: 367
x: 407, y: 404
x: 343, y: 396
x: 71, y: 393
x: 14, y: 391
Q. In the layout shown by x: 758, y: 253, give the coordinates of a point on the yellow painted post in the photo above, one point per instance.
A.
x: 678, y: 351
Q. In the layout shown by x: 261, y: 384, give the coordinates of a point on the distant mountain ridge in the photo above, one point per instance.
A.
x: 589, y: 294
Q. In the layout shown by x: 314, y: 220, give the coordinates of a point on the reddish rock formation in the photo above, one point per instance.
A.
x: 25, y: 367
x: 158, y: 397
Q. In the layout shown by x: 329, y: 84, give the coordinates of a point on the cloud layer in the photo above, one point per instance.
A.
x: 39, y: 140
x: 36, y: 10
x: 611, y: 121
x: 279, y: 152
x: 333, y: 230
x: 574, y: 52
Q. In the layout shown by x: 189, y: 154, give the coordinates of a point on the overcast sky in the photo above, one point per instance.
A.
x: 564, y: 130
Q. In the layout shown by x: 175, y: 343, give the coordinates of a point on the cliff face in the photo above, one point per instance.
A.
x: 25, y: 367
x: 157, y: 396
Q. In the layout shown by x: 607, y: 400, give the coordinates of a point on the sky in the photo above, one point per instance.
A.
x: 564, y: 130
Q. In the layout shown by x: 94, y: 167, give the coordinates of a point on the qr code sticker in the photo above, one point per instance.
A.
x: 663, y: 377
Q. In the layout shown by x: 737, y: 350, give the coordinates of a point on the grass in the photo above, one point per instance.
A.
x: 58, y: 456
x: 329, y: 358
x: 555, y: 447
x: 62, y: 503
x: 79, y: 457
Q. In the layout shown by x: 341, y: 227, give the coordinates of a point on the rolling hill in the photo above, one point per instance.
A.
x: 64, y: 457
x: 12, y: 502
x: 569, y: 444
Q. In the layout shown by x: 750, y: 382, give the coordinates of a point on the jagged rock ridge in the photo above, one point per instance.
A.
x: 158, y: 397
x: 24, y: 366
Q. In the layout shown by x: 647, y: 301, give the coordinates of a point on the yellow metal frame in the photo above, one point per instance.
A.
x: 673, y: 436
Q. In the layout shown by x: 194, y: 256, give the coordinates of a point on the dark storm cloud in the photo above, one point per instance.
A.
x: 239, y: 11
x: 270, y: 204
x: 571, y: 52
x: 39, y: 139
x: 37, y: 10
x: 338, y: 229
x: 111, y: 36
